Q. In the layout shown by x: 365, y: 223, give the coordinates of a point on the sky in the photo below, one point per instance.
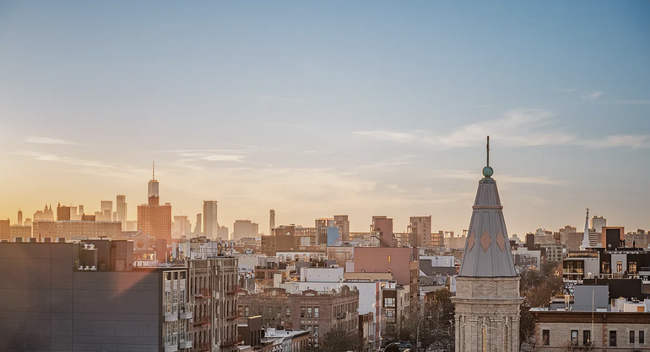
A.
x: 332, y: 107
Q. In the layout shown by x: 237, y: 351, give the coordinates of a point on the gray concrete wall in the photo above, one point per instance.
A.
x: 45, y: 305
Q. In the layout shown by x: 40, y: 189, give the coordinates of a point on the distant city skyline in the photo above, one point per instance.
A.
x: 317, y: 109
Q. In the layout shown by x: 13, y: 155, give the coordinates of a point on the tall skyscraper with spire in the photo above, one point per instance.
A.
x: 487, y: 288
x: 155, y: 219
x: 153, y: 188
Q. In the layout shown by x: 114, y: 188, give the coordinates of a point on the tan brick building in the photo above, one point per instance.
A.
x: 599, y: 331
x: 317, y: 312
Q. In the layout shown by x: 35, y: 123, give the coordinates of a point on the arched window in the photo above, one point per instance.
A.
x: 484, y: 346
x: 505, y: 338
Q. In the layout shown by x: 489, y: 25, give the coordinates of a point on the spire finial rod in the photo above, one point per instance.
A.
x: 487, y: 170
x: 487, y: 146
x: 153, y: 171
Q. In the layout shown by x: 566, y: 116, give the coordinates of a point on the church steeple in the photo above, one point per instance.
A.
x: 487, y: 301
x: 585, y: 238
x: 487, y: 250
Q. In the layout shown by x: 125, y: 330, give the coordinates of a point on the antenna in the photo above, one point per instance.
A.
x: 487, y: 146
x: 153, y: 176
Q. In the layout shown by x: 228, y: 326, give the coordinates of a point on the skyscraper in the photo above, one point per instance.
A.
x: 210, y: 224
x: 271, y: 221
x: 155, y: 219
x: 197, y: 227
x: 153, y: 189
x: 120, y: 207
x: 20, y: 218
x: 342, y: 222
x: 180, y: 226
x: 487, y: 287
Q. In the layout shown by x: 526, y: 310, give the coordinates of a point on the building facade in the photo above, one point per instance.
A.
x: 342, y: 222
x: 212, y: 291
x: 420, y: 231
x: 317, y: 312
x: 587, y: 331
x: 77, y: 229
x: 65, y: 300
x: 210, y: 223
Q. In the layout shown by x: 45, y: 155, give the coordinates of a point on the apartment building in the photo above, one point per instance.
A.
x: 317, y: 312
x: 212, y: 290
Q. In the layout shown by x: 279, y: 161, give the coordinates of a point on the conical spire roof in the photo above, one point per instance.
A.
x: 487, y: 249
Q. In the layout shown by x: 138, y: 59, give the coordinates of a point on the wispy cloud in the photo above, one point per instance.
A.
x: 621, y: 140
x: 517, y: 128
x: 399, y: 137
x: 591, y: 96
x: 47, y: 140
x: 63, y: 159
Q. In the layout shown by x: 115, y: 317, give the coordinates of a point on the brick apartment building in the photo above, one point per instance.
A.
x: 402, y: 262
x: 212, y: 289
x: 76, y: 229
x: 317, y: 312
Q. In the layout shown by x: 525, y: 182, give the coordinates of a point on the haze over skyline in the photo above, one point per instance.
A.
x: 364, y: 108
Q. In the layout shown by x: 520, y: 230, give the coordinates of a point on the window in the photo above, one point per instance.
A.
x: 605, y: 268
x: 246, y: 311
x: 632, y: 336
x: 389, y: 302
x: 315, y: 330
x: 309, y: 312
x: 546, y: 337
x: 612, y: 338
x: 389, y: 258
x: 586, y: 337
x: 619, y: 267
x: 316, y: 313
x: 641, y: 337
x: 302, y: 312
x: 631, y: 267
x: 390, y: 315
x: 574, y: 337
x: 288, y: 311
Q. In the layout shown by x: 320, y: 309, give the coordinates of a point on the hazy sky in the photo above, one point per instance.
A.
x: 332, y: 107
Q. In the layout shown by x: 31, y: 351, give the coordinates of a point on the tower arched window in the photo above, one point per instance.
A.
x: 484, y: 345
